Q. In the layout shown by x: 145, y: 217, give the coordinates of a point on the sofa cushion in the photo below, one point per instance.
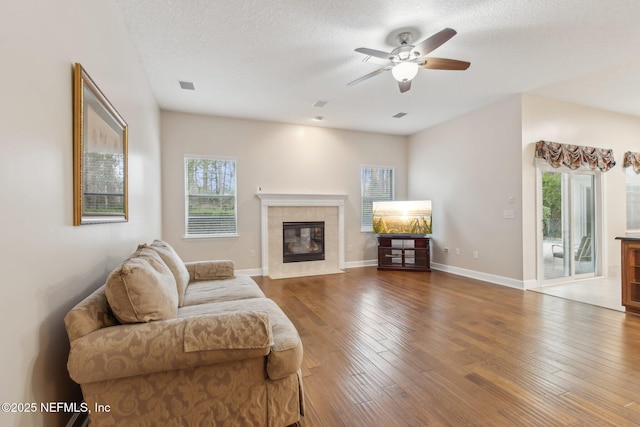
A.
x: 240, y: 287
x: 142, y: 289
x: 211, y: 270
x: 175, y: 264
x: 285, y: 357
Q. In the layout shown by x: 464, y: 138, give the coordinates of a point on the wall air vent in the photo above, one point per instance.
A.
x: 399, y: 115
x: 187, y: 85
x: 320, y: 104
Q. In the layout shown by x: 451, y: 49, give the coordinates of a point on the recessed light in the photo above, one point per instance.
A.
x: 187, y: 85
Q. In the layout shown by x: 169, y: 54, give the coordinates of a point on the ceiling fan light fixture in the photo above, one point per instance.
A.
x: 405, y: 71
x: 405, y: 60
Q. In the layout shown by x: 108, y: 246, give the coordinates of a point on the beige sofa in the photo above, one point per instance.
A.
x: 164, y: 343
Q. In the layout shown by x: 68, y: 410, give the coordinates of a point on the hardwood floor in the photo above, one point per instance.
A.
x: 396, y: 348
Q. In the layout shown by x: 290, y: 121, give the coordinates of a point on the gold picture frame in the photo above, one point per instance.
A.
x: 100, y: 180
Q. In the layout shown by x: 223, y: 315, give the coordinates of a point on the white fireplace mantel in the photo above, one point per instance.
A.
x: 311, y: 200
x: 288, y: 199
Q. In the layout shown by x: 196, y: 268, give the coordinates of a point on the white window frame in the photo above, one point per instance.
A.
x: 187, y: 158
x: 635, y: 177
x: 368, y: 227
x: 599, y: 246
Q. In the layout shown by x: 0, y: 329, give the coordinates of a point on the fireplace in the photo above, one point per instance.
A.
x: 302, y: 241
x: 278, y: 208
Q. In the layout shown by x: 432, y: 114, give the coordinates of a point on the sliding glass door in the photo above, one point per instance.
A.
x: 570, y: 227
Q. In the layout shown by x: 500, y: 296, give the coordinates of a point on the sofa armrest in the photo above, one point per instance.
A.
x: 144, y: 348
x: 210, y: 270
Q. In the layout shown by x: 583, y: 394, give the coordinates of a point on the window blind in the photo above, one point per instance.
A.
x: 376, y: 184
x: 210, y: 202
x: 103, y: 192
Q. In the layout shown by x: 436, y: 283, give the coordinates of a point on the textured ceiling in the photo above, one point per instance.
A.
x: 272, y: 60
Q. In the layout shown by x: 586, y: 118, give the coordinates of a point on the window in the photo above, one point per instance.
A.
x: 210, y: 196
x: 633, y: 199
x: 376, y: 184
x: 104, y: 182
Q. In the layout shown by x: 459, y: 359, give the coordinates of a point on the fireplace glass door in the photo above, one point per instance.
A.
x: 302, y: 241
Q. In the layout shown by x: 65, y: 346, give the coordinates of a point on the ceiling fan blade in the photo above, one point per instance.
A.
x: 368, y: 76
x: 445, y: 64
x: 376, y: 53
x: 430, y: 44
x: 404, y: 86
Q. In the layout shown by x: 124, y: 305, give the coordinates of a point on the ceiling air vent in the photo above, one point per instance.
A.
x: 320, y: 104
x: 187, y: 85
x: 399, y: 115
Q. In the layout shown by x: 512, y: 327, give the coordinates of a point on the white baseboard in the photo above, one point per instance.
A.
x: 529, y: 284
x: 360, y: 264
x: 251, y: 272
x: 485, y: 277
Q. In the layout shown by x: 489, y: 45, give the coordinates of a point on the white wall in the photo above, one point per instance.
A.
x: 567, y: 123
x: 47, y: 264
x: 280, y: 158
x: 470, y: 168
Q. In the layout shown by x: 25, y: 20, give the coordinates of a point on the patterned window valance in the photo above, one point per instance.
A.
x: 632, y: 159
x: 574, y: 156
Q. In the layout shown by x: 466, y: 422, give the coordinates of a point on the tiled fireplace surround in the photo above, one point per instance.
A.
x: 279, y: 208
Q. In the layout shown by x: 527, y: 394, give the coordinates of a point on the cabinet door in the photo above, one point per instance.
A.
x: 422, y: 243
x: 384, y: 242
x: 631, y: 291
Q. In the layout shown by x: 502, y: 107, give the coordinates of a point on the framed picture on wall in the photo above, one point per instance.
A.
x: 99, y: 155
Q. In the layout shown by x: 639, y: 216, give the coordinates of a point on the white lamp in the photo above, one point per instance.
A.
x: 405, y: 71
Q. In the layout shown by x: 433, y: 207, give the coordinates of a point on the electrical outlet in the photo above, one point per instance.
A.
x: 253, y: 253
x: 475, y: 254
x: 446, y: 249
x: 457, y: 251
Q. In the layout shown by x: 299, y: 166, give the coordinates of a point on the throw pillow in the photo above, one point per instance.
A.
x: 175, y: 264
x: 142, y: 289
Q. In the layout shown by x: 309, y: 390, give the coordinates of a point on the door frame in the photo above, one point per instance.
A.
x: 600, y: 226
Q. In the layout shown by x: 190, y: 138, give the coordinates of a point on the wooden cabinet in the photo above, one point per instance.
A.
x: 631, y: 273
x: 404, y: 253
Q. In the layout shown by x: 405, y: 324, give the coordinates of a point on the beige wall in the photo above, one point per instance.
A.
x: 280, y: 158
x: 453, y: 164
x: 552, y: 120
x: 48, y: 265
x: 470, y: 168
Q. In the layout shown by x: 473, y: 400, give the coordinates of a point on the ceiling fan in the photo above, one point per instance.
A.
x: 406, y: 59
